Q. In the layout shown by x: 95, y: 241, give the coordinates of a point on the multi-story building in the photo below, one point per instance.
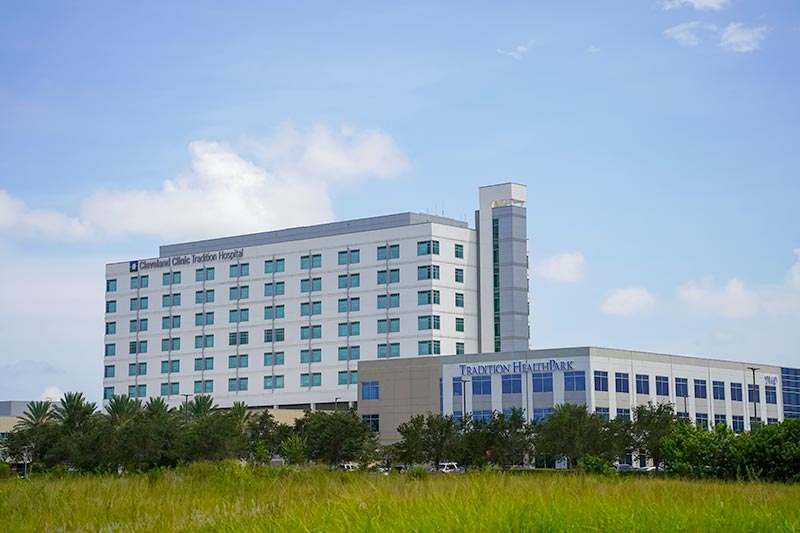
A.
x: 282, y: 318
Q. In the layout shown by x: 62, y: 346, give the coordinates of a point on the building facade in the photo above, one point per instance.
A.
x: 282, y: 319
x: 609, y: 382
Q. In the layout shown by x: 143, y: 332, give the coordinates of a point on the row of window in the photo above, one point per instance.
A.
x: 512, y: 383
x: 622, y: 385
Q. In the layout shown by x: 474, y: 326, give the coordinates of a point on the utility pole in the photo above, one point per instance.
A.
x: 755, y: 415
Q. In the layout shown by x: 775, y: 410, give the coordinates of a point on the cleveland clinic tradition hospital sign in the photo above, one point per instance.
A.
x: 517, y: 367
x: 190, y: 259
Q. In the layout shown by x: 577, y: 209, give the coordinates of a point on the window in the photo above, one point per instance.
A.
x: 311, y: 285
x: 482, y: 385
x: 348, y: 378
x: 238, y: 361
x: 203, y: 363
x: 240, y: 338
x: 349, y: 328
x: 141, y: 282
x: 111, y: 328
x: 624, y: 413
x: 108, y: 393
x: 204, y: 341
x: 387, y: 350
x: 575, y: 381
x: 429, y: 348
x: 662, y: 386
x: 137, y: 347
x: 600, y: 380
x: 700, y: 389
x: 390, y: 325
x: 349, y: 280
x: 311, y: 332
x: 111, y: 306
x: 602, y: 412
x: 273, y: 265
x: 111, y: 285
x: 171, y: 278
x: 458, y: 386
x: 137, y: 369
x: 391, y: 251
x: 349, y: 257
x: 539, y: 414
x: 771, y: 394
x: 459, y: 275
x: 621, y: 382
x: 388, y: 276
x: 137, y: 391
x: 111, y: 349
x: 276, y: 311
x: 387, y: 301
x: 373, y: 421
x: 718, y: 389
x: 349, y: 305
x: 171, y: 300
x: 512, y: 383
x: 428, y: 297
x: 274, y: 335
x: 459, y: 299
x: 459, y: 348
x: 428, y: 322
x: 240, y: 270
x: 171, y: 388
x: 108, y: 371
x: 460, y: 251
x: 459, y: 324
x: 681, y: 387
x: 274, y: 289
x: 428, y: 272
x: 311, y: 356
x: 170, y: 365
x: 173, y: 344
x: 370, y: 390
x: 736, y: 392
x: 201, y: 297
x: 138, y: 325
x: 139, y: 303
x: 273, y: 358
x: 204, y: 387
x: 352, y: 353
x: 720, y: 419
x: 310, y: 261
x: 239, y: 293
x: 543, y: 382
x: 701, y: 419
x: 310, y: 308
x: 273, y: 382
x: 238, y: 315
x: 204, y: 319
x: 311, y: 380
x: 738, y: 423
x: 428, y: 248
x: 237, y: 384
x: 642, y: 384
x: 204, y: 274
x: 750, y: 393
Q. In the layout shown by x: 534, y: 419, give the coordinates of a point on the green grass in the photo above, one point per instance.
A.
x: 227, y: 497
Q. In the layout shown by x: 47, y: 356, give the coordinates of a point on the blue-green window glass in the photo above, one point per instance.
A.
x: 428, y: 322
x: 274, y: 289
x: 111, y: 306
x: 428, y: 272
x: 204, y: 341
x: 386, y: 301
x: 274, y: 265
x: 204, y: 274
x: 239, y: 293
x: 389, y: 350
x: 459, y: 348
x: 459, y: 251
x: 273, y: 358
x: 459, y: 299
x: 238, y: 361
x: 349, y: 257
x: 204, y: 319
x: 310, y: 308
x: 310, y: 261
x: 428, y: 348
x: 388, y: 252
x: 311, y: 285
x: 204, y: 296
x: 111, y: 349
x: 349, y: 280
x: 311, y: 380
x: 237, y: 384
x: 108, y: 371
x: 428, y: 248
x: 391, y: 325
x: 354, y: 353
x: 274, y: 311
x: 111, y: 328
x: 238, y: 315
x: 459, y: 324
x: 460, y: 275
x: 275, y: 382
x: 349, y: 304
x: 274, y: 335
x: 240, y: 270
x: 428, y: 297
x: 311, y: 356
x: 168, y: 366
x: 168, y: 389
x: 108, y: 393
x: 311, y: 332
x: 111, y: 285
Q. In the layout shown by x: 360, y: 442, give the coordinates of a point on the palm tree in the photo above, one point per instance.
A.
x: 240, y: 413
x: 156, y: 407
x: 200, y: 406
x: 121, y: 409
x: 38, y: 414
x: 73, y: 411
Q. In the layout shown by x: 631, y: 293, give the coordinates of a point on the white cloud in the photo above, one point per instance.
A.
x: 701, y: 5
x: 630, y: 301
x: 518, y: 52
x: 564, y: 267
x: 737, y: 37
x: 225, y: 192
x: 54, y: 394
x: 688, y: 33
x: 593, y: 50
x: 793, y: 275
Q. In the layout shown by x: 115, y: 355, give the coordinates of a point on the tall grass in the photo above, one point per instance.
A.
x: 229, y: 497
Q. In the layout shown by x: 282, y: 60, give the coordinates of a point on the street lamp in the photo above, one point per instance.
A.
x: 26, y: 458
x: 336, y: 404
x: 755, y: 415
x: 464, y: 398
x: 186, y: 406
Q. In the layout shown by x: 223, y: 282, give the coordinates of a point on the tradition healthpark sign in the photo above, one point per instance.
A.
x: 517, y: 367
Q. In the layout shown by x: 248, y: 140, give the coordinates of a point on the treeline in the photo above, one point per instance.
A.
x: 131, y: 435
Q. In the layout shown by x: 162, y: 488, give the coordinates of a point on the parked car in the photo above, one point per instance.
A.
x: 347, y: 467
x: 623, y: 467
x: 448, y: 468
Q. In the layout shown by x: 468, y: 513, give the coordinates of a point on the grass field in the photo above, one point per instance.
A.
x: 228, y: 497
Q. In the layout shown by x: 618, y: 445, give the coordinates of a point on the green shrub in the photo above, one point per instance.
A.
x: 418, y: 472
x: 5, y: 470
x: 590, y: 464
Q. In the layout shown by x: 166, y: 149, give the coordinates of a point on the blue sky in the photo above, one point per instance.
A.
x: 658, y: 140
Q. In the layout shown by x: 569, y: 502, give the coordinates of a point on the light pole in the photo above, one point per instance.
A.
x: 186, y: 407
x: 464, y: 398
x: 336, y: 404
x: 755, y: 415
x: 26, y: 458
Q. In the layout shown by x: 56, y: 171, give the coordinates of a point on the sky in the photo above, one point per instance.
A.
x: 659, y: 141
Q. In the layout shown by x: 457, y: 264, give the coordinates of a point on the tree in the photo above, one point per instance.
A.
x: 440, y: 437
x: 121, y: 409
x: 651, y: 423
x: 73, y: 412
x: 334, y: 438
x: 240, y: 413
x: 411, y: 448
x: 266, y: 435
x: 511, y: 438
x: 571, y: 432
x: 198, y: 407
x: 36, y: 415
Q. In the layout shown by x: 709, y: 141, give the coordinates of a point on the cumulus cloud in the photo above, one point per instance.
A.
x: 564, y: 267
x: 264, y: 184
x: 519, y: 52
x: 688, y: 33
x: 630, y: 301
x: 52, y: 393
x: 700, y: 5
x: 737, y: 37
